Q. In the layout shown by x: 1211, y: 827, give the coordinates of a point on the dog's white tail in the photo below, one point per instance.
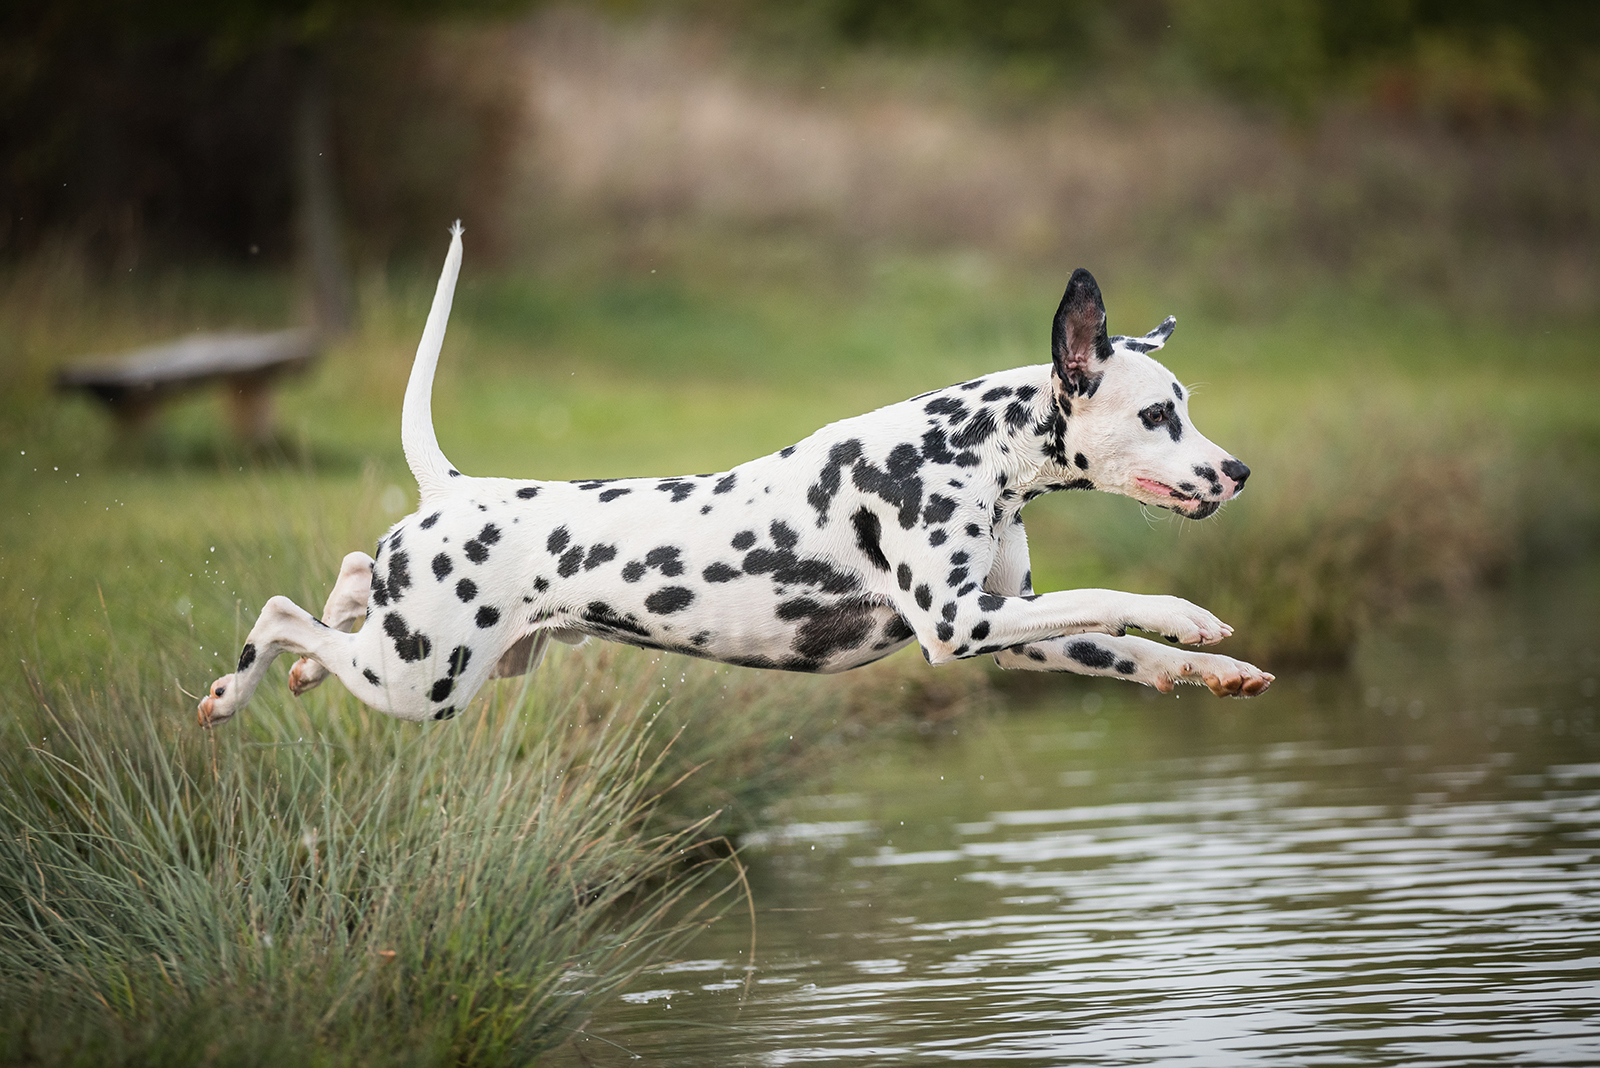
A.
x: 428, y: 464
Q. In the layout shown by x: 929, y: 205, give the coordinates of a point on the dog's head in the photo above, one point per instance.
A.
x: 1130, y: 414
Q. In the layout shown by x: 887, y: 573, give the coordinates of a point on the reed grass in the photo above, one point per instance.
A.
x: 362, y: 894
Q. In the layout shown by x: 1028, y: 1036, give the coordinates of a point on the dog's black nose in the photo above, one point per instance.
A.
x: 1236, y: 471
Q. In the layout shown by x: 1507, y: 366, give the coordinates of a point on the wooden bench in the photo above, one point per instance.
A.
x: 246, y: 365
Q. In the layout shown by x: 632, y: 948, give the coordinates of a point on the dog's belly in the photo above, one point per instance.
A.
x: 797, y: 634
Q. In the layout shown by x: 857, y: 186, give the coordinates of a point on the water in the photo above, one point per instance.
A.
x: 1393, y: 865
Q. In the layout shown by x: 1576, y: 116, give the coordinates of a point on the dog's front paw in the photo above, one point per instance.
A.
x: 215, y: 706
x: 1224, y: 676
x: 1179, y: 621
x: 307, y: 674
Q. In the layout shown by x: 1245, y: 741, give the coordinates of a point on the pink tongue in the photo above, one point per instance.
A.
x: 1155, y: 487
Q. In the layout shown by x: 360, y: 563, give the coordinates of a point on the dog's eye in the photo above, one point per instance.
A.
x: 1156, y: 413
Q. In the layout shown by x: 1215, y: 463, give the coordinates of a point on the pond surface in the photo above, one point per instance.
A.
x: 1391, y: 865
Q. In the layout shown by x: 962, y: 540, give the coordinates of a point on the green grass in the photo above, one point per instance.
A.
x: 1397, y: 454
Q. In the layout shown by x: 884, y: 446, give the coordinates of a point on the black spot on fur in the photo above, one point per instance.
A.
x: 979, y: 429
x: 380, y: 591
x: 442, y: 688
x: 1017, y: 414
x: 897, y: 629
x: 540, y: 584
x: 370, y: 676
x: 409, y: 646
x: 903, y: 576
x: 990, y: 602
x: 669, y: 599
x: 1091, y: 655
x: 399, y: 575
x: 665, y: 557
x: 1081, y: 460
x: 459, y: 656
x: 822, y: 492
x: 939, y: 509
x: 570, y: 561
x: 442, y: 567
x: 601, y: 614
x: 557, y: 541
x: 981, y: 630
x: 869, y: 534
x: 599, y: 554
x: 678, y: 488
x: 1177, y: 391
x: 633, y: 571
x: 720, y: 573
x: 974, y: 530
x: 832, y: 629
x: 946, y: 406
x: 476, y: 551
x: 247, y: 656
x: 937, y: 538
x: 726, y: 483
x: 956, y: 577
x: 528, y: 492
x: 786, y: 452
x: 607, y: 496
x: 1126, y: 667
x: 949, y: 611
x: 897, y: 487
x: 744, y: 539
x: 782, y: 535
x: 466, y: 590
x: 924, y: 597
x: 945, y: 631
x: 445, y: 713
x: 430, y: 521
x: 487, y: 616
x: 787, y: 569
x: 997, y: 393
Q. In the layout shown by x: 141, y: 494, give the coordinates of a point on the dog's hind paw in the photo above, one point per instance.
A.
x: 212, y: 709
x: 307, y: 674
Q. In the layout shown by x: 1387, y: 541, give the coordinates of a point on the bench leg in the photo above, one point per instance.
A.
x: 250, y: 406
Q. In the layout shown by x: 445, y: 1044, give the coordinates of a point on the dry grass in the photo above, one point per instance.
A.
x: 661, y: 121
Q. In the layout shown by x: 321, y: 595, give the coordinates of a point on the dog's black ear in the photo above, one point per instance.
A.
x: 1078, y: 341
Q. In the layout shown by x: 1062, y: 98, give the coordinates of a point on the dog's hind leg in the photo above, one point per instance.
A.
x: 347, y: 606
x: 1138, y: 660
x: 282, y: 627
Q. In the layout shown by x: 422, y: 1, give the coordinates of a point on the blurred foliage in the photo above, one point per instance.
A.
x: 130, y: 129
x: 163, y: 129
x: 1477, y: 56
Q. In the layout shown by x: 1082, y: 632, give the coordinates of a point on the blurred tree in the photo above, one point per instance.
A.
x: 234, y: 129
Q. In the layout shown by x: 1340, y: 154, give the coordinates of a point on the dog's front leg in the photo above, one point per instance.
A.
x: 1139, y: 660
x: 966, y: 622
x: 347, y: 606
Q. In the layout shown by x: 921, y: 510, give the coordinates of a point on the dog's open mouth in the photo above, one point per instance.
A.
x: 1188, y: 504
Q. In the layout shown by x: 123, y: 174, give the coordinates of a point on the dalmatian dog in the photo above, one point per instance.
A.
x: 901, y: 525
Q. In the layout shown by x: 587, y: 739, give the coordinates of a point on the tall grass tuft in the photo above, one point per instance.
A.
x: 363, y: 893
